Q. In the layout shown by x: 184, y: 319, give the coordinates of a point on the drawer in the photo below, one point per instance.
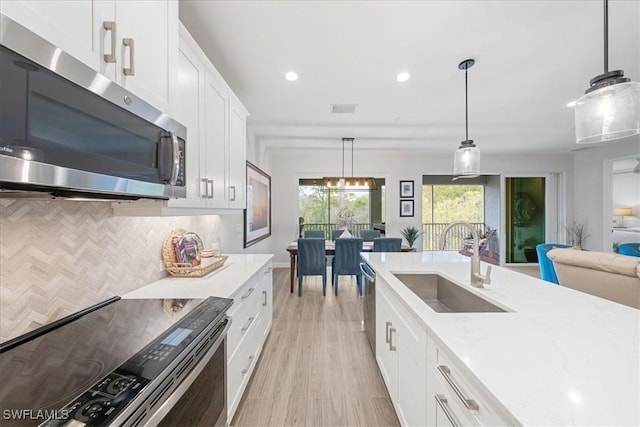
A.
x: 244, y: 318
x: 464, y: 393
x: 241, y: 364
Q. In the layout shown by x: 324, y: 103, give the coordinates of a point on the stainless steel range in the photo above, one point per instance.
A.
x: 124, y: 362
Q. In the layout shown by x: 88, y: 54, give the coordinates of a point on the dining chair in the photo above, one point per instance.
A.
x: 336, y: 233
x: 387, y: 244
x: 314, y: 234
x: 312, y: 261
x: 369, y: 235
x: 346, y: 262
x: 630, y: 249
x: 547, y: 270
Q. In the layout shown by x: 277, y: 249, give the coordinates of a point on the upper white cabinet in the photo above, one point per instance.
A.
x: 134, y: 43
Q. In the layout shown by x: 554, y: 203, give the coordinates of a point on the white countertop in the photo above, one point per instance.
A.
x: 559, y: 357
x: 223, y: 282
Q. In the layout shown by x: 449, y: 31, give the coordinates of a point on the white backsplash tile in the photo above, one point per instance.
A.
x: 58, y: 257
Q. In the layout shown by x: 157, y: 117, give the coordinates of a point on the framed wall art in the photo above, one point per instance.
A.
x: 406, y: 207
x: 257, y: 215
x: 406, y: 189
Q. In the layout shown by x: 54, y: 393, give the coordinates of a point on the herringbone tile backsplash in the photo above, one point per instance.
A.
x: 58, y: 257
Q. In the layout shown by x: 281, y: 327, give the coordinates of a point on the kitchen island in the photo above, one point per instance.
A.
x: 555, y: 356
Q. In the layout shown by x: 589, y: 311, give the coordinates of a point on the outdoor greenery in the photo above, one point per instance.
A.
x: 318, y: 205
x: 448, y: 203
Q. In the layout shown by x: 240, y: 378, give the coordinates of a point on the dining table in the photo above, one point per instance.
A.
x: 329, y: 249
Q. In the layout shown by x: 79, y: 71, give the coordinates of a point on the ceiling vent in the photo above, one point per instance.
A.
x: 343, y: 108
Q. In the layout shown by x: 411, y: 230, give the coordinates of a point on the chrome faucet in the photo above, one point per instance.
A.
x: 477, y: 279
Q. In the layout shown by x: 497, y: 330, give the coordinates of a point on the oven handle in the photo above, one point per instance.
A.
x: 184, y: 385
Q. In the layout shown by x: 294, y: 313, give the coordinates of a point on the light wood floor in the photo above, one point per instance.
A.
x: 316, y: 368
x: 529, y: 270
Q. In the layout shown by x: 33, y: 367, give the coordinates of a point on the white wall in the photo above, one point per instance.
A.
x: 589, y: 197
x: 287, y: 166
x: 492, y: 202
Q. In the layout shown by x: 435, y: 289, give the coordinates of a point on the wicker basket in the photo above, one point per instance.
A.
x: 207, y: 265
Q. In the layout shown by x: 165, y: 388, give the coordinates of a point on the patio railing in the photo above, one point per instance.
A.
x: 455, y: 237
x: 430, y: 233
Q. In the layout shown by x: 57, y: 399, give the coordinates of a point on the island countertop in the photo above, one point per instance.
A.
x: 557, y: 357
x: 222, y: 282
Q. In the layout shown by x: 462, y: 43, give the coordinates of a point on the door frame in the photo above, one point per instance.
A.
x: 555, y: 209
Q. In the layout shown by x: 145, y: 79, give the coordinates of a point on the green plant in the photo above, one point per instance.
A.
x: 529, y: 243
x: 411, y: 234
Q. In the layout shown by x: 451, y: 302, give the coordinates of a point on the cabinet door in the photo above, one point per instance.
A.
x: 386, y: 342
x: 189, y: 110
x: 266, y: 298
x: 412, y: 363
x: 153, y: 27
x: 237, y: 157
x: 215, y: 146
x: 75, y: 26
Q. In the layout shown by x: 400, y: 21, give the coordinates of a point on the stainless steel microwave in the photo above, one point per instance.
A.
x: 69, y: 131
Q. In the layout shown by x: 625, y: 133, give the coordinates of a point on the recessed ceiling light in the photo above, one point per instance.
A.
x: 403, y: 77
x: 571, y: 104
x: 292, y: 76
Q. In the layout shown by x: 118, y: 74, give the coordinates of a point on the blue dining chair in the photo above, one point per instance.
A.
x: 631, y: 249
x: 369, y: 235
x: 346, y: 262
x: 314, y: 234
x: 335, y: 234
x: 312, y: 261
x: 387, y: 244
x: 547, y: 270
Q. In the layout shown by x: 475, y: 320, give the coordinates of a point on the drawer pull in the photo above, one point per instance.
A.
x: 391, y: 346
x: 468, y: 403
x: 251, y: 319
x: 248, y: 293
x: 264, y: 294
x: 268, y: 270
x: 443, y: 403
x: 245, y: 370
x: 387, y: 325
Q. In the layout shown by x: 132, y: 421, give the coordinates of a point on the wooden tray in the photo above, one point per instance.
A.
x: 188, y: 269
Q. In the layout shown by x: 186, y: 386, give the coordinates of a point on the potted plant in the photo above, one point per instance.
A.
x: 576, y: 234
x: 411, y: 234
x: 529, y: 248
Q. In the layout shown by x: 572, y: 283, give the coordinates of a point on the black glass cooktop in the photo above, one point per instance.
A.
x: 90, y: 368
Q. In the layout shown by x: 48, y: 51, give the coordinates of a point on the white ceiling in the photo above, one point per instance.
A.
x: 532, y: 58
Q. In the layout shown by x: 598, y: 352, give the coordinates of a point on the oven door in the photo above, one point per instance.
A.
x: 199, y: 400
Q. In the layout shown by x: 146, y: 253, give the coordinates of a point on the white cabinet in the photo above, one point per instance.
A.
x: 251, y: 315
x: 455, y: 397
x: 237, y: 147
x: 134, y: 43
x: 401, y: 355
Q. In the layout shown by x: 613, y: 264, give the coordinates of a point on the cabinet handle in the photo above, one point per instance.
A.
x: 111, y: 26
x: 264, y: 294
x: 468, y: 403
x: 391, y: 346
x: 245, y: 370
x: 131, y: 43
x: 443, y: 403
x: 251, y: 319
x: 248, y: 293
x: 268, y: 270
x: 204, y: 191
x: 210, y: 185
x: 386, y: 336
x: 233, y: 188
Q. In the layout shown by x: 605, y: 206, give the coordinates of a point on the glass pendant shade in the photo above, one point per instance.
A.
x: 466, y: 161
x: 608, y: 113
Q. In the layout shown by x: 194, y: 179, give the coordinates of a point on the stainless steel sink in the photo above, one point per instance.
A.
x: 444, y: 296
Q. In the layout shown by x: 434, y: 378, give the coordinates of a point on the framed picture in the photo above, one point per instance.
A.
x: 406, y: 189
x: 257, y: 216
x: 406, y: 207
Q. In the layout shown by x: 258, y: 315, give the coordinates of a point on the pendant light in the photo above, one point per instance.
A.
x: 342, y: 182
x: 466, y: 161
x: 610, y: 107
